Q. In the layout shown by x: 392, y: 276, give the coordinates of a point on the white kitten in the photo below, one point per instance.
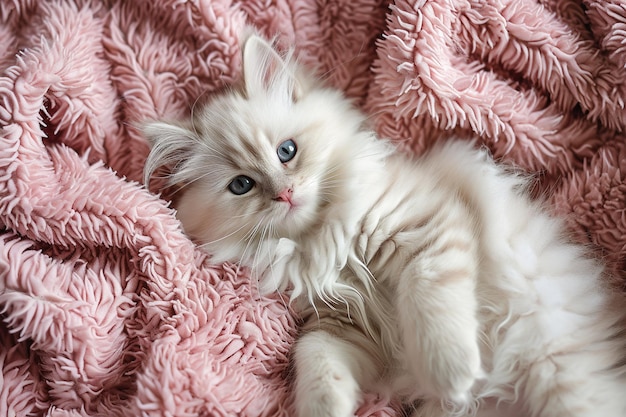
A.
x: 436, y: 279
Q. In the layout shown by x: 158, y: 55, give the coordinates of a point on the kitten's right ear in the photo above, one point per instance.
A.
x: 170, y: 144
x: 261, y: 65
x: 265, y: 70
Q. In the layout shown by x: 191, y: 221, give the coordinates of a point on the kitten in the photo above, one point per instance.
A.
x: 435, y: 279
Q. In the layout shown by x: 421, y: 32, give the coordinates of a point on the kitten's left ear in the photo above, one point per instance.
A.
x: 170, y: 144
x: 265, y: 70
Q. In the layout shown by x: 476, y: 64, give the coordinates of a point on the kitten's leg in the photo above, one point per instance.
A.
x: 330, y: 372
x: 570, y: 349
x: 434, y: 408
x: 436, y: 308
x: 575, y: 384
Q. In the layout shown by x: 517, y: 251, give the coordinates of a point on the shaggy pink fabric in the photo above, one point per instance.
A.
x: 108, y: 309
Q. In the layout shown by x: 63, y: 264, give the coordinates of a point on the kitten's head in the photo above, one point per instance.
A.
x: 268, y: 158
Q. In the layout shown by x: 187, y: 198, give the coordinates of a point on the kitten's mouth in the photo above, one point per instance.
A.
x: 290, y: 207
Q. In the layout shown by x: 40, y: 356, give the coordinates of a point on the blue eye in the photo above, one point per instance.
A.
x: 287, y: 150
x: 241, y: 185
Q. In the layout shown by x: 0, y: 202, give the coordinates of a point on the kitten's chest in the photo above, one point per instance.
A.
x: 401, y: 213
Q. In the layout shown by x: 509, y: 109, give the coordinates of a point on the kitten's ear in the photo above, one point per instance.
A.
x: 264, y: 69
x: 170, y: 144
x: 261, y: 65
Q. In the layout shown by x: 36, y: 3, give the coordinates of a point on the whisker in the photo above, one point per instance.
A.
x: 249, y: 237
x: 246, y: 214
x: 325, y: 181
x: 256, y: 253
x: 223, y: 237
x: 270, y: 233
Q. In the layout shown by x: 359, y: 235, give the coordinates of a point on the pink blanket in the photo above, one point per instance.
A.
x: 108, y: 309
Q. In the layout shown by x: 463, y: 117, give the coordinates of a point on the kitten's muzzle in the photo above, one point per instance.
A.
x: 285, y: 195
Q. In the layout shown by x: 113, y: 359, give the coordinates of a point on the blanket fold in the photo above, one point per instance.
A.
x: 107, y: 308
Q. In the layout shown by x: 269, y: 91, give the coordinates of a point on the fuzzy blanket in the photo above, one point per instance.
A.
x: 107, y: 308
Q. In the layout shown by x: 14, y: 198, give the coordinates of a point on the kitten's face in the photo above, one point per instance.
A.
x: 264, y: 161
x: 259, y: 168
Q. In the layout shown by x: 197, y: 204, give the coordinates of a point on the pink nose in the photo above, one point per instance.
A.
x: 284, y: 195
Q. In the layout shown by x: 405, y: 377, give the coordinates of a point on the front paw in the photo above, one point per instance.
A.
x: 333, y: 396
x: 272, y: 271
x: 450, y: 371
x: 328, y: 370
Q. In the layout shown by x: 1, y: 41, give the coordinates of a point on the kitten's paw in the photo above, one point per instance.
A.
x: 459, y: 388
x: 336, y: 396
x: 277, y: 255
x: 327, y: 372
x: 450, y: 373
x: 284, y: 249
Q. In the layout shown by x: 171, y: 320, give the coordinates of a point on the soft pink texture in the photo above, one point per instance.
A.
x: 108, y: 309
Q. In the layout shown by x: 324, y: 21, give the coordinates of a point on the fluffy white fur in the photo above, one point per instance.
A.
x: 434, y: 279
